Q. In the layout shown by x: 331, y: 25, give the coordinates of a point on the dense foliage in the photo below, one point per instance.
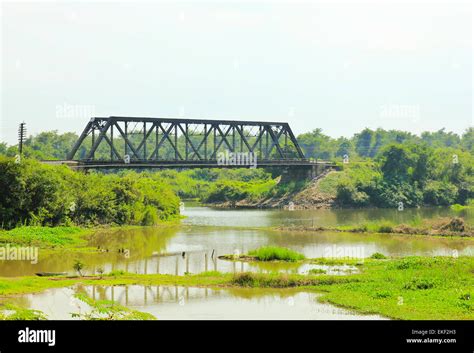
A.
x: 37, y: 194
x: 370, y: 143
x: 411, y: 174
x: 382, y: 168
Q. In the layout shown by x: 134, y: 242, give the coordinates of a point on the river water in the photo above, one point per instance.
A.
x: 207, y: 233
x: 184, y: 303
x: 194, y: 247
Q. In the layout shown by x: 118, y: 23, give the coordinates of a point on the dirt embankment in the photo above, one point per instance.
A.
x: 454, y: 226
x: 311, y: 197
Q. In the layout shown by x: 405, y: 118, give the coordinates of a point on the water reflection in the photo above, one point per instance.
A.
x: 185, y: 303
x: 208, y: 216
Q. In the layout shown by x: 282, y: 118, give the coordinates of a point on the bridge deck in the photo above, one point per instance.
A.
x: 97, y: 164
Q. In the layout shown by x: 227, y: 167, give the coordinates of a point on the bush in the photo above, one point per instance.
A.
x: 42, y: 195
x: 378, y: 256
x: 420, y: 284
x: 271, y: 253
x: 440, y: 193
x: 348, y: 194
x: 231, y: 190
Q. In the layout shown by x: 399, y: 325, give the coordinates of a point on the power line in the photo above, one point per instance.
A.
x: 21, y: 136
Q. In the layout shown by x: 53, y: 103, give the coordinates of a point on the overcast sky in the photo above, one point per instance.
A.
x: 339, y: 67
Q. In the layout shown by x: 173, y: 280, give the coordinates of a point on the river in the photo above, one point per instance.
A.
x: 205, y: 234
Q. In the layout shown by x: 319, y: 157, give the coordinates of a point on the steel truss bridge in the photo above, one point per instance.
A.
x: 143, y: 142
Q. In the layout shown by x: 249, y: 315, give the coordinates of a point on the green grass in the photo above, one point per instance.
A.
x: 10, y: 311
x: 457, y: 207
x: 410, y: 288
x: 45, y: 236
x: 274, y: 253
x: 32, y: 284
x: 109, y: 310
x: 328, y: 185
x: 277, y: 280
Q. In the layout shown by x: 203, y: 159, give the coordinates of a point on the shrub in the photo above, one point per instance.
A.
x: 348, y: 194
x: 78, y: 267
x: 382, y: 295
x: 271, y: 253
x: 440, y: 193
x: 378, y: 256
x: 420, y: 284
x: 43, y: 195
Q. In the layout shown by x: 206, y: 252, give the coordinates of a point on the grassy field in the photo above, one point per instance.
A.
x: 62, y: 237
x: 45, y: 237
x: 438, y: 288
x: 423, y: 288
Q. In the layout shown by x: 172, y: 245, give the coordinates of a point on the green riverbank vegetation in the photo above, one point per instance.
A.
x: 454, y: 226
x: 35, y: 194
x: 272, y: 253
x: 106, y: 310
x: 44, y: 237
x: 405, y: 176
x: 268, y: 253
x: 380, y: 168
x: 409, y: 288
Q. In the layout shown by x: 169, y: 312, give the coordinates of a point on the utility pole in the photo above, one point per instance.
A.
x: 21, y: 137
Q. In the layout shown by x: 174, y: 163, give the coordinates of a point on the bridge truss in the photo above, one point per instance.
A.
x: 165, y: 141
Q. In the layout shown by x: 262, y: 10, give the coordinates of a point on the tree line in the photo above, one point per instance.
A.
x: 381, y: 168
x: 33, y: 193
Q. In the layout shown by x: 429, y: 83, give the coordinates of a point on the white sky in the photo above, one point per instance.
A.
x: 337, y: 66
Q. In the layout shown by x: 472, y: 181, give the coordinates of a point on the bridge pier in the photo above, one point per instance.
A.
x: 307, y: 172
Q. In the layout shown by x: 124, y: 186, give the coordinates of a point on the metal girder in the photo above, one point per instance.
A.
x: 185, y: 140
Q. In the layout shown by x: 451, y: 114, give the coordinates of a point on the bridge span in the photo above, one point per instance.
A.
x: 144, y: 142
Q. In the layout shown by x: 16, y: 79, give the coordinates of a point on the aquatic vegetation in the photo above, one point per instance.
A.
x: 109, y: 310
x: 458, y: 208
x: 78, y: 267
x: 426, y: 288
x: 415, y: 287
x: 378, y: 256
x: 316, y: 271
x: 13, y: 312
x: 272, y: 253
x: 278, y: 280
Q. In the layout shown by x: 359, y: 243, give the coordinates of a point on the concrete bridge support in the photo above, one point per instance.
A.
x: 310, y: 172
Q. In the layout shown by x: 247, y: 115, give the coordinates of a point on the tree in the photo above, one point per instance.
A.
x: 467, y: 140
x: 441, y: 138
x: 364, y: 142
x: 315, y: 144
x: 397, y: 163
